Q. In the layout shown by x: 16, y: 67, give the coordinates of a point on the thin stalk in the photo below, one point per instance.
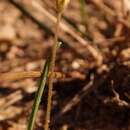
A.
x: 52, y: 65
x: 82, y: 11
x: 38, y: 95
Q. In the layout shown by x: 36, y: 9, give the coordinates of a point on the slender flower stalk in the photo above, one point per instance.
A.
x: 61, y: 4
x: 50, y: 83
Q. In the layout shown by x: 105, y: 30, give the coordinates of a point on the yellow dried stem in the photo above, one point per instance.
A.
x: 13, y: 76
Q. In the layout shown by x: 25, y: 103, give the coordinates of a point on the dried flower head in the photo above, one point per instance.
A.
x: 62, y: 4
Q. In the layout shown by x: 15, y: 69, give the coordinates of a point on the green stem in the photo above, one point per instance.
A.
x: 38, y: 95
x: 82, y: 10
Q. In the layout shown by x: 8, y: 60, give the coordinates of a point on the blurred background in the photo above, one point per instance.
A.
x: 94, y: 93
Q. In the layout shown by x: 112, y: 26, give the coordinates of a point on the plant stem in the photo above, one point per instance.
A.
x: 38, y: 95
x: 52, y: 65
x: 82, y: 11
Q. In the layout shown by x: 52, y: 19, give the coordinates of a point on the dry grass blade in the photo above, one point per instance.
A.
x: 10, y: 99
x: 13, y: 76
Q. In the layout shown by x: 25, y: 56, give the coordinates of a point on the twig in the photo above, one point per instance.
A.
x: 94, y: 83
x: 76, y: 99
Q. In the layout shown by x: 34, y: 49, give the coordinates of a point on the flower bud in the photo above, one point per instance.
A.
x: 62, y: 4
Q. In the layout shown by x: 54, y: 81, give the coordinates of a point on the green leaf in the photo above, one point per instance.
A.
x: 39, y: 93
x: 42, y: 82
